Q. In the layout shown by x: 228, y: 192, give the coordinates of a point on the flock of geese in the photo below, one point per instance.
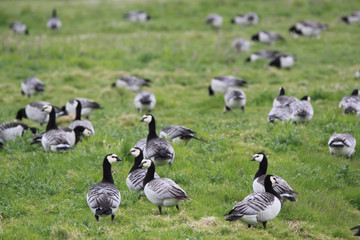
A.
x: 104, y: 198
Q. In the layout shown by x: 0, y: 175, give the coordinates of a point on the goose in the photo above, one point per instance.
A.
x: 53, y: 22
x: 145, y: 101
x: 357, y: 74
x: 221, y: 83
x: 280, y: 113
x: 19, y: 28
x: 352, y: 18
x: 351, y: 104
x: 246, y: 19
x: 302, y: 110
x: 283, y: 100
x: 9, y: 131
x: 141, y: 144
x: 258, y: 207
x: 87, y: 107
x: 132, y: 83
x: 157, y: 149
x: 263, y: 54
x: 137, y: 16
x: 31, y: 86
x: 177, y: 133
x: 103, y: 197
x: 234, y: 98
x: 135, y: 179
x: 283, y: 61
x: 281, y: 187
x: 78, y: 122
x: 215, y: 20
x: 162, y: 192
x: 358, y: 230
x: 267, y: 37
x: 342, y: 144
x: 241, y: 44
x: 307, y: 28
x: 33, y: 111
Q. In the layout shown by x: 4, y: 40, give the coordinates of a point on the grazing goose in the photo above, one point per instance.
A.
x: 302, y: 110
x: 141, y: 144
x: 234, y: 98
x: 33, y: 111
x: 215, y: 20
x: 157, y: 149
x: 19, y: 28
x: 221, y: 83
x: 280, y: 113
x: 352, y: 18
x: 11, y: 130
x: 31, y: 86
x: 358, y: 230
x: 258, y: 207
x: 351, y: 104
x: 267, y: 37
x: 281, y: 186
x: 137, y: 16
x: 145, y: 101
x: 177, y: 133
x: 283, y: 100
x: 78, y: 122
x: 53, y: 22
x: 135, y: 179
x: 87, y: 107
x: 162, y: 192
x: 307, y: 28
x: 283, y: 61
x: 103, y: 197
x: 263, y: 54
x: 357, y: 74
x: 241, y: 44
x: 246, y: 19
x: 342, y: 144
x: 132, y: 83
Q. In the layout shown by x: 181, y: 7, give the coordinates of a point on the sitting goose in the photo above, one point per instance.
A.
x: 162, y: 192
x: 263, y: 54
x: 283, y: 100
x: 258, y: 207
x: 358, y: 230
x: 132, y: 83
x: 281, y: 186
x: 234, y: 98
x: 9, y: 131
x: 78, y: 122
x: 145, y: 101
x: 87, y: 107
x: 103, y: 197
x: 352, y: 18
x: 281, y: 113
x: 33, y: 111
x: 351, y: 104
x: 302, y: 110
x: 241, y: 44
x: 307, y: 28
x: 283, y: 61
x: 141, y: 144
x: 246, y: 19
x: 19, y: 28
x: 137, y: 16
x: 221, y: 83
x: 157, y: 149
x: 31, y: 86
x: 53, y: 22
x: 267, y: 37
x: 135, y: 179
x: 177, y: 133
x: 342, y: 144
x: 215, y: 20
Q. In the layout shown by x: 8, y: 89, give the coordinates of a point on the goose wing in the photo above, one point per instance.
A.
x: 87, y: 103
x: 159, y: 148
x: 104, y: 196
x: 84, y: 123
x: 344, y: 139
x: 141, y: 144
x: 350, y: 103
x: 231, y: 80
x: 166, y: 188
x: 281, y: 113
x: 177, y: 131
x: 302, y: 108
x: 137, y: 178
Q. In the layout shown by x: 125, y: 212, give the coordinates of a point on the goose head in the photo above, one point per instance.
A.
x: 112, y: 158
x: 258, y: 157
x: 146, y: 163
x: 355, y: 92
x: 306, y: 98
x: 47, y: 108
x: 147, y: 118
x: 282, y: 91
x: 135, y: 151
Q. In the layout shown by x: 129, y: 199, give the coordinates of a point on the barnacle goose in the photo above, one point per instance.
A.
x: 267, y: 37
x: 358, y: 230
x: 352, y: 18
x: 157, y: 149
x: 234, y: 98
x: 103, y: 197
x: 283, y: 100
x: 221, y: 83
x: 281, y: 113
x: 241, y: 44
x: 281, y: 186
x: 162, y: 192
x: 145, y: 101
x: 351, y: 104
x: 135, y: 179
x: 31, y: 86
x: 33, y: 111
x: 177, y: 133
x: 215, y: 20
x: 283, y: 61
x: 302, y: 110
x: 342, y: 144
x: 263, y: 54
x: 141, y: 144
x: 137, y: 16
x: 78, y: 122
x: 87, y: 107
x: 53, y: 22
x: 19, y: 27
x: 258, y: 207
x: 132, y: 83
x: 246, y: 19
x: 307, y: 28
x: 11, y: 130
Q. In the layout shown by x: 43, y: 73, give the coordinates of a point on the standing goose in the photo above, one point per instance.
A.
x: 137, y: 16
x: 11, y: 130
x: 234, y: 98
x: 267, y: 37
x: 78, y: 122
x: 132, y: 83
x: 351, y: 104
x: 342, y: 144
x: 263, y: 54
x: 307, y: 28
x: 283, y: 61
x: 221, y: 83
x: 281, y: 187
x: 302, y: 110
x: 31, y: 86
x: 145, y: 101
x: 177, y: 133
x: 215, y: 20
x: 352, y: 18
x: 33, y: 111
x: 281, y: 113
x: 135, y: 179
x: 162, y: 192
x: 258, y: 207
x: 283, y: 100
x: 358, y: 230
x: 53, y: 22
x: 141, y: 144
x: 157, y: 149
x: 241, y: 44
x: 103, y: 197
x: 87, y: 107
x: 19, y: 28
x: 246, y: 19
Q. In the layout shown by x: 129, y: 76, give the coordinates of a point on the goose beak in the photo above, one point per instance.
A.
x: 141, y: 165
x: 118, y: 159
x: 252, y: 159
x: 129, y: 153
x: 142, y: 120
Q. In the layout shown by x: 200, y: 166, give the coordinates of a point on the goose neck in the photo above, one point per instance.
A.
x: 270, y: 189
x: 137, y: 162
x: 150, y: 174
x: 78, y: 111
x: 152, y: 130
x: 107, y: 175
x: 52, y: 121
x: 262, y: 168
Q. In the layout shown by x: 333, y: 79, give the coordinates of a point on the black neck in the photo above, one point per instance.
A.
x: 21, y: 114
x: 78, y: 131
x: 269, y: 188
x: 107, y: 176
x: 54, y: 13
x: 262, y: 168
x: 150, y: 174
x: 282, y: 92
x: 78, y: 111
x: 52, y: 120
x: 137, y: 162
x: 152, y: 130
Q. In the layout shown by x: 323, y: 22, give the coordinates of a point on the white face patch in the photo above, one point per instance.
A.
x: 147, y: 118
x: 273, y: 179
x: 112, y: 158
x: 135, y: 152
x: 75, y: 103
x: 146, y: 163
x: 87, y: 132
x: 258, y: 157
x: 47, y: 108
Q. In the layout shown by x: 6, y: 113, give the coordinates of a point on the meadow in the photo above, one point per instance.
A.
x: 43, y: 195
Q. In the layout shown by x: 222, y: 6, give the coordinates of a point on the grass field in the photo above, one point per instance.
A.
x: 43, y: 195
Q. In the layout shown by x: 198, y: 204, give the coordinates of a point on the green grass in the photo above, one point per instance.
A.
x: 43, y: 195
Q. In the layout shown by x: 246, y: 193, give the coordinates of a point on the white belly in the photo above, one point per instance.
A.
x: 345, y: 151
x: 218, y: 86
x: 236, y: 103
x: 11, y: 133
x: 257, y: 187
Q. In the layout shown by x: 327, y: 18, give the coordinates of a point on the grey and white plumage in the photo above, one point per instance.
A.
x: 145, y: 101
x: 352, y: 18
x: 280, y: 113
x: 54, y: 22
x: 137, y: 16
x: 234, y: 98
x: 141, y: 144
x: 221, y: 83
x: 87, y: 106
x: 358, y: 230
x: 241, y: 44
x: 103, y: 198
x: 33, y: 111
x: 342, y: 144
x: 283, y: 61
x: 302, y: 110
x: 283, y: 100
x: 267, y: 37
x: 19, y: 28
x: 246, y: 19
x: 132, y: 83
x: 9, y: 131
x: 307, y: 28
x: 78, y: 122
x: 177, y: 133
x: 351, y: 103
x: 31, y: 86
x: 215, y: 20
x: 263, y: 54
x: 56, y: 140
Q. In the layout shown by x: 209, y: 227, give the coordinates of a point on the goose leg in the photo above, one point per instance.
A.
x: 264, y: 224
x: 159, y: 209
x: 97, y: 218
x: 112, y: 217
x: 242, y: 108
x: 139, y: 197
x: 177, y: 207
x: 249, y: 226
